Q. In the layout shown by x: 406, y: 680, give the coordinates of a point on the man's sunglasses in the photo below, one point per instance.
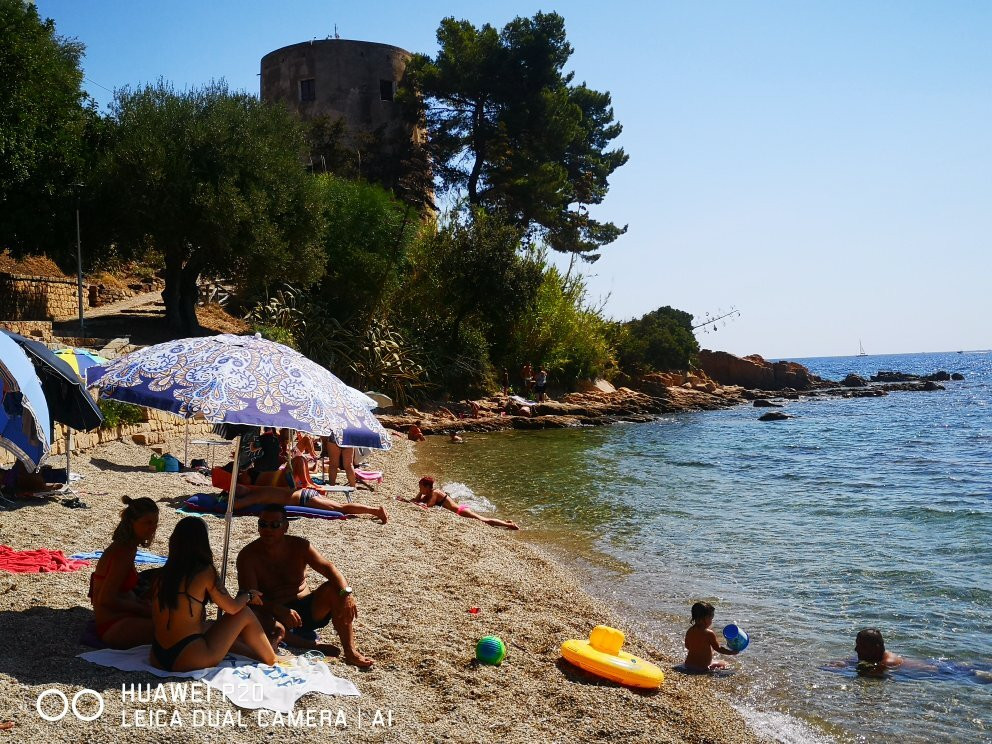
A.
x: 273, y: 525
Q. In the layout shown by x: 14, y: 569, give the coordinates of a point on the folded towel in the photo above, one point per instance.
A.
x: 37, y: 561
x: 245, y: 682
x: 142, y: 558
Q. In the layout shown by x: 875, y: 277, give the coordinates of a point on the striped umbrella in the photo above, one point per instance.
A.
x: 80, y: 359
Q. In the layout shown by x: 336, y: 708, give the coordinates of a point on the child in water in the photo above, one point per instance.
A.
x: 428, y: 496
x: 873, y: 659
x: 701, y: 642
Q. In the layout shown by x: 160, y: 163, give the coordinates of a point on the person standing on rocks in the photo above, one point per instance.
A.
x: 541, y: 384
x: 527, y: 373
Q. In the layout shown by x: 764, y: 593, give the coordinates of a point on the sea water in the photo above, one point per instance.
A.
x: 866, y: 512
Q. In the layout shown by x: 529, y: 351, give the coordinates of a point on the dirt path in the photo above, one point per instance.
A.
x: 151, y: 299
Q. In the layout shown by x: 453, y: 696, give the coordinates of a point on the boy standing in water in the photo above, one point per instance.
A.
x: 701, y: 641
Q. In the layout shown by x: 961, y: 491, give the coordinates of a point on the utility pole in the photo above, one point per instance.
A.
x: 79, y: 269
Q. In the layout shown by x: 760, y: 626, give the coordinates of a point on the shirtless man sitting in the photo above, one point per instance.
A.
x: 276, y: 564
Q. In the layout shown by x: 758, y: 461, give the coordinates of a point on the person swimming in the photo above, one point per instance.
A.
x: 870, y: 648
x: 701, y: 641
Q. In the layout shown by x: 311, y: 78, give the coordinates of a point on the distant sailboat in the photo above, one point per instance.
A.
x: 862, y: 349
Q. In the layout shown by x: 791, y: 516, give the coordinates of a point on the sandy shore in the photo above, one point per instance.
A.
x: 415, y: 579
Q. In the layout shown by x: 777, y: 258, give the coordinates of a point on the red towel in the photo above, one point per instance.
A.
x: 37, y: 561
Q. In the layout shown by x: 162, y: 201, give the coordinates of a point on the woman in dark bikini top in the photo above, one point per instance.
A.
x: 183, y: 639
x: 124, y: 620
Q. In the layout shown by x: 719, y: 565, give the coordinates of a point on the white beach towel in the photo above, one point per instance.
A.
x: 243, y: 681
x: 196, y: 479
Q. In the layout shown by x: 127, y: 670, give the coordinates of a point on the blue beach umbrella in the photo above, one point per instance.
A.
x: 25, y: 428
x: 68, y: 401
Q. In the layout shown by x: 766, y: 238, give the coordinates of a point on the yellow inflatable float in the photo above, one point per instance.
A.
x: 601, y: 655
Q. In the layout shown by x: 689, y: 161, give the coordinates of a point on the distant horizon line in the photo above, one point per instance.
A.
x: 899, y: 353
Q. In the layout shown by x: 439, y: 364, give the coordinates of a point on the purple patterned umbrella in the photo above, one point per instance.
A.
x: 242, y: 380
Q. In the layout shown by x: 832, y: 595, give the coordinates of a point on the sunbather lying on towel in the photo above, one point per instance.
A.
x: 429, y: 496
x: 304, y: 493
x: 19, y: 481
x: 123, y: 619
x: 183, y: 639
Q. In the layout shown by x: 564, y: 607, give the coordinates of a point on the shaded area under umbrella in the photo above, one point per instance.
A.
x: 242, y: 380
x: 68, y: 400
x: 25, y: 425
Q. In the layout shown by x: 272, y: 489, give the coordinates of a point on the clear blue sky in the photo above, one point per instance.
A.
x: 824, y: 167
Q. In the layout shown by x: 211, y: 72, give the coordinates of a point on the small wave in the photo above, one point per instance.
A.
x: 779, y: 727
x: 463, y: 494
x: 693, y: 464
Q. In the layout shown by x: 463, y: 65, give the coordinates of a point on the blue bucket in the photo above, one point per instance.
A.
x: 737, y: 639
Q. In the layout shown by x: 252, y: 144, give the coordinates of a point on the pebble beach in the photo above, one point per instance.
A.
x: 415, y: 578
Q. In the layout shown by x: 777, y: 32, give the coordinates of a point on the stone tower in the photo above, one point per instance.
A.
x: 352, y: 80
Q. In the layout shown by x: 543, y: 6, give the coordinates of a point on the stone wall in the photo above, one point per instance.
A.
x: 159, y: 427
x: 40, y: 330
x: 24, y: 297
x: 105, y: 294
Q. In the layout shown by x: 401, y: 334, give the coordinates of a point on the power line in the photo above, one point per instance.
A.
x: 733, y: 313
x: 93, y: 82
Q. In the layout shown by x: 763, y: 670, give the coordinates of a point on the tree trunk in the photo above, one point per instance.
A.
x: 188, y: 296
x: 180, y: 296
x: 171, y: 293
x: 479, y: 145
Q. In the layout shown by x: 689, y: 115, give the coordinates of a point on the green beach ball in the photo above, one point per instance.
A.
x: 490, y: 650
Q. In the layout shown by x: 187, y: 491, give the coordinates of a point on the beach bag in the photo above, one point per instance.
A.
x: 171, y: 463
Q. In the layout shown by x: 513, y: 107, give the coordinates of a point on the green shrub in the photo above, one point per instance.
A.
x: 275, y: 333
x: 115, y: 413
x: 658, y: 341
x: 564, y: 333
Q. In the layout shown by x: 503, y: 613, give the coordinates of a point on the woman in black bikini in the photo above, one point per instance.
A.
x: 184, y: 640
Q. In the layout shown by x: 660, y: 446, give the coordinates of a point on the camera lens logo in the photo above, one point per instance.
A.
x: 62, y: 710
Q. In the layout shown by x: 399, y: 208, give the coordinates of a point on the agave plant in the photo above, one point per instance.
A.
x: 367, y: 354
x: 279, y: 317
x: 373, y: 355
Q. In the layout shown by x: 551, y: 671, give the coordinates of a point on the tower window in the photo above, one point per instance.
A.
x: 308, y: 90
x: 387, y: 90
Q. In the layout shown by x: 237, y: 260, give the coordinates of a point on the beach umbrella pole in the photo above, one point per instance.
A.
x: 68, y: 454
x: 186, y: 450
x: 229, y: 515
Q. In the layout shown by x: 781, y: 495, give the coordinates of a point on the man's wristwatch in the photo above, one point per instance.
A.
x: 346, y: 592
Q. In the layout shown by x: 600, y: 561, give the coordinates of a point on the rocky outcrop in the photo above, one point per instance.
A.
x: 774, y: 416
x: 657, y: 393
x: 853, y: 380
x: 754, y: 373
x: 601, y: 386
x: 885, y: 375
